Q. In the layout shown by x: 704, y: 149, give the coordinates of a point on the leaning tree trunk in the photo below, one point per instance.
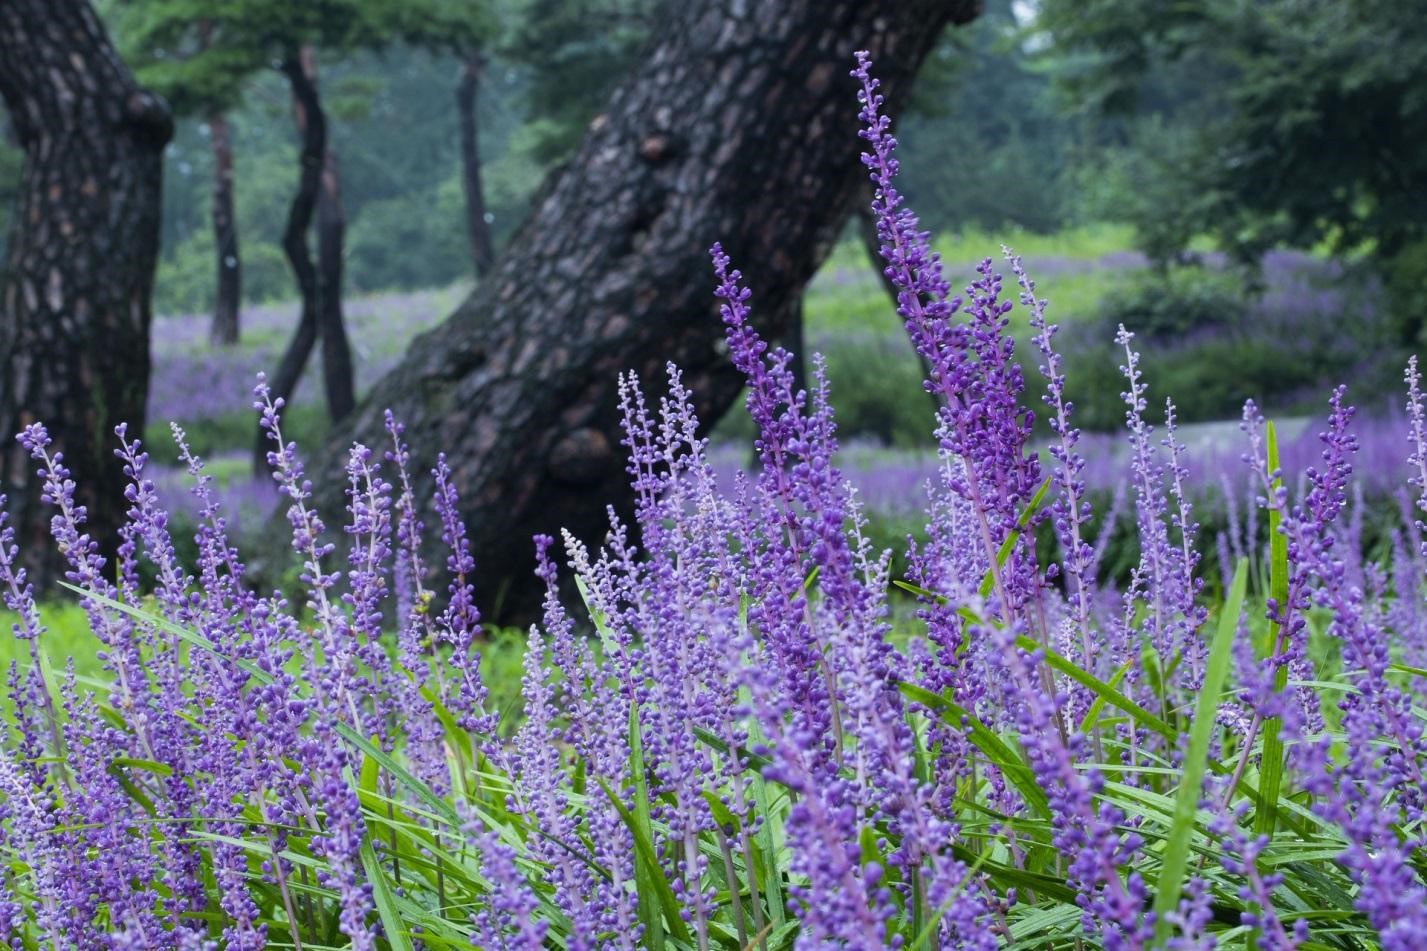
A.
x: 225, y: 235
x: 479, y: 230
x: 75, y: 296
x: 740, y: 126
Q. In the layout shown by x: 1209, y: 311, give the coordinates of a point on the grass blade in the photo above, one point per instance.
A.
x: 1271, y: 768
x: 1100, y: 688
x: 1011, y: 765
x: 1196, y: 759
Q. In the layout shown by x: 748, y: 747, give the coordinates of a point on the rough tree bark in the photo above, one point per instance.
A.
x: 317, y: 192
x: 482, y: 249
x: 225, y: 235
x: 739, y: 126
x: 75, y: 295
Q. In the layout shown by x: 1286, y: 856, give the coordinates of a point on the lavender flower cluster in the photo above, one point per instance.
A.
x: 734, y: 743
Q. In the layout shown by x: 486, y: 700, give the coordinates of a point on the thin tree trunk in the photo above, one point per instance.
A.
x: 336, y: 351
x: 312, y: 126
x: 75, y: 291
x: 225, y: 235
x: 482, y: 249
x: 739, y: 126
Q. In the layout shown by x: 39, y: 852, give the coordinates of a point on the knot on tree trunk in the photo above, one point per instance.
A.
x: 966, y: 12
x: 149, y: 115
x: 580, y: 457
x: 658, y: 148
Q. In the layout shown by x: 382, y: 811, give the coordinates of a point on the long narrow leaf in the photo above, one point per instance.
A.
x: 1011, y: 765
x: 1271, y: 762
x: 1196, y: 759
x: 649, y: 873
x: 1100, y: 688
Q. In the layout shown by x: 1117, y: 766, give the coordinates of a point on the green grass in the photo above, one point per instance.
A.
x: 848, y: 294
x: 210, y: 438
x: 66, y: 636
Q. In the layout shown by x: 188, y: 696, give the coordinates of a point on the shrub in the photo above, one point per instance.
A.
x: 1219, y: 343
x: 1165, y: 307
x: 184, y: 283
x: 1407, y: 293
x: 740, y: 757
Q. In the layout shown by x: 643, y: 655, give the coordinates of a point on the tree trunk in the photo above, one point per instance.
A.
x: 225, y: 235
x: 739, y: 126
x: 482, y: 250
x: 312, y: 126
x: 318, y: 190
x: 336, y: 351
x: 75, y: 295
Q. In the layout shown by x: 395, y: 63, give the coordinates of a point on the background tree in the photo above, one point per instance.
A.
x: 466, y: 30
x: 473, y: 66
x: 1283, y: 122
x: 170, y: 44
x: 985, y: 100
x: 76, y: 286
x: 319, y: 191
x: 233, y: 43
x: 214, y: 52
x: 576, y: 51
x: 736, y: 126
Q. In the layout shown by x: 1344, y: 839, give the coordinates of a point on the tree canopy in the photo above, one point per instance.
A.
x: 201, y: 55
x: 1280, y: 122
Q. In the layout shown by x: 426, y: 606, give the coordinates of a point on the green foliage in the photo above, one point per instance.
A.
x: 184, y: 282
x: 878, y: 382
x: 217, y: 435
x: 431, y: 220
x: 1210, y: 380
x: 200, y: 55
x: 576, y: 51
x: 1406, y: 287
x: 1296, y: 122
x: 984, y: 143
x: 1217, y: 340
x: 1166, y: 306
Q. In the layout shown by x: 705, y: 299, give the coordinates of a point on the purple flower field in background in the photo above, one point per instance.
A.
x: 894, y: 482
x: 194, y: 380
x: 247, y: 501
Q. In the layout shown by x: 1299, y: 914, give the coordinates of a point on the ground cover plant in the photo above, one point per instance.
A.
x: 730, y: 745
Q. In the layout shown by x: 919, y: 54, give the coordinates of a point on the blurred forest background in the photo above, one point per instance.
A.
x: 1244, y: 185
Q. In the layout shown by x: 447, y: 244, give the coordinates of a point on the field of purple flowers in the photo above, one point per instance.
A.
x: 730, y: 745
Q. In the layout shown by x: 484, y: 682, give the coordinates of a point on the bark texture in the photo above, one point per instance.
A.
x: 75, y: 292
x: 225, y: 235
x: 467, y: 89
x: 740, y: 126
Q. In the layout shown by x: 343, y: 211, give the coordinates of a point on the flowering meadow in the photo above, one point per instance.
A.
x: 735, y: 742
